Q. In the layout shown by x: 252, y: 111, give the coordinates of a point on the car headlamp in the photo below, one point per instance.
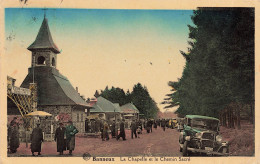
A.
x: 187, y: 138
x: 218, y: 138
x: 224, y: 143
x: 198, y: 135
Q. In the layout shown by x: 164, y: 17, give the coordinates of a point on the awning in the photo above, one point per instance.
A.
x: 93, y: 116
x: 128, y: 115
x: 39, y: 113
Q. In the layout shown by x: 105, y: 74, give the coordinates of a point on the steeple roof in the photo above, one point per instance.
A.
x: 44, y: 39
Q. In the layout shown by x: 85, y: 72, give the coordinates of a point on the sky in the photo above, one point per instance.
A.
x: 104, y: 47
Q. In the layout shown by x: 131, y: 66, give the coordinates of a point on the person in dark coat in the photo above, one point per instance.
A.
x: 163, y: 124
x: 155, y: 124
x: 60, y: 138
x: 122, y: 130
x: 145, y: 123
x: 113, y: 129
x: 70, y: 137
x: 101, y: 127
x: 147, y: 126
x: 96, y: 126
x: 151, y: 125
x: 133, y: 129
x: 13, y: 135
x: 86, y: 125
x: 140, y: 125
x: 105, y: 131
x: 37, y: 139
x: 92, y: 126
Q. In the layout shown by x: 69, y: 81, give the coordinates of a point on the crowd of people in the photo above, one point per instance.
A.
x: 65, y: 136
x: 136, y: 127
x: 149, y: 124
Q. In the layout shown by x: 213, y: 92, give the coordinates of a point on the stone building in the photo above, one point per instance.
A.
x: 56, y: 95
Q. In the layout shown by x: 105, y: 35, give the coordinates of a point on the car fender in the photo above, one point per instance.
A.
x: 181, y: 137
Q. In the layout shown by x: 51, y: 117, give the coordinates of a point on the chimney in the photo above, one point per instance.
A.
x: 77, y: 89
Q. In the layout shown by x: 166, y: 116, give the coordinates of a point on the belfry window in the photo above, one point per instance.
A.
x: 53, y: 62
x: 41, y: 60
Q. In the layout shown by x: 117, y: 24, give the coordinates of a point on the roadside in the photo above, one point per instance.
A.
x: 241, y: 141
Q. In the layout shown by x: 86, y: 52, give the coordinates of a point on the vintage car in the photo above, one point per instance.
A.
x: 180, y: 123
x: 174, y: 123
x: 200, y: 134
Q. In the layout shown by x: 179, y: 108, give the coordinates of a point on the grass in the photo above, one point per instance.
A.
x: 241, y: 141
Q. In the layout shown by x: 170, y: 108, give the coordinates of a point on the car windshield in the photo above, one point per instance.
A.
x: 205, y: 124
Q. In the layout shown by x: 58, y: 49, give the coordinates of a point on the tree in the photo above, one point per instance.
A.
x: 96, y: 94
x: 115, y: 95
x: 140, y: 97
x: 143, y: 101
x: 219, y: 71
x: 169, y: 101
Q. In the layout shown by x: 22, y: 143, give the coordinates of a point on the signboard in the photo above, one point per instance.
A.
x: 21, y: 91
x: 64, y: 117
x: 129, y: 111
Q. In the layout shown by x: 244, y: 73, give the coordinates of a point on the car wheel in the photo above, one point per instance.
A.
x: 185, y: 149
x: 225, y: 150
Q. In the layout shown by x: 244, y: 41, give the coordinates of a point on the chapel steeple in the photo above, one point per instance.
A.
x: 44, y: 51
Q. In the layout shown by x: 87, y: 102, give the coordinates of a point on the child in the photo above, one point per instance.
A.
x: 139, y: 131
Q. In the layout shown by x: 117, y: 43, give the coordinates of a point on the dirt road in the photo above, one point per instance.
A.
x: 157, y: 143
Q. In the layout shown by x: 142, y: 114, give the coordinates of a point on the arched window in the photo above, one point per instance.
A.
x: 41, y: 60
x: 53, y: 62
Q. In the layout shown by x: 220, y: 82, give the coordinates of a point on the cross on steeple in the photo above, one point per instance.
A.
x: 44, y: 12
